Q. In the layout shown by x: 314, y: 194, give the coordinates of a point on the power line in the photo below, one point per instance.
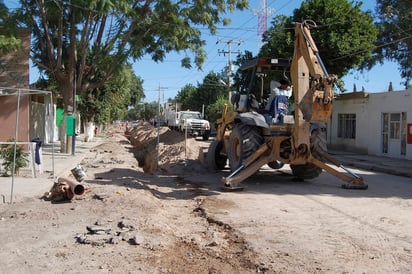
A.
x: 229, y: 52
x: 377, y: 46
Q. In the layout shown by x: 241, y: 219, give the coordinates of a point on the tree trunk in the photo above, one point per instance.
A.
x: 66, y: 87
x: 89, y: 128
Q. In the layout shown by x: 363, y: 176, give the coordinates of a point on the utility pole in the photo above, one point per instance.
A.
x: 158, y: 126
x: 229, y: 68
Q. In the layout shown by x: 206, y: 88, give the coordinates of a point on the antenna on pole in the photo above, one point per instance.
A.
x: 262, y: 13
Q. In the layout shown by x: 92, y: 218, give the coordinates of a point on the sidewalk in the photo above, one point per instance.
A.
x: 26, y: 186
x: 381, y: 164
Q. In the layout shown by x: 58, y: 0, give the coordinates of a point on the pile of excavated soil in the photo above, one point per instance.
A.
x: 174, y: 148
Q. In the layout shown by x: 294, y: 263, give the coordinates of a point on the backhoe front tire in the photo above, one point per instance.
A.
x: 205, y: 136
x: 215, y: 160
x: 244, y: 140
x: 309, y: 170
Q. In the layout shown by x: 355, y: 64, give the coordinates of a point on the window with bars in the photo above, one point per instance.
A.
x: 395, y: 126
x: 347, y: 125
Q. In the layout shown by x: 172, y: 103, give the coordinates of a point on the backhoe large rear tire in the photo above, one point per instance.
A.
x: 317, y: 143
x: 216, y: 160
x: 244, y: 140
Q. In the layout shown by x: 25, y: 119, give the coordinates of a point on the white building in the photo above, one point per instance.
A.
x: 373, y: 123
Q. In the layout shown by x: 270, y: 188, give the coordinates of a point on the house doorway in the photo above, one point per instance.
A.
x: 394, y: 134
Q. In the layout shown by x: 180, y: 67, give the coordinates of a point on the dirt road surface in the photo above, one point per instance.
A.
x: 178, y: 220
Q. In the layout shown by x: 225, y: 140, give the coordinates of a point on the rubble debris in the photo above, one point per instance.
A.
x: 98, y: 229
x: 124, y: 225
x: 100, y: 234
x: 136, y: 240
x: 101, y: 197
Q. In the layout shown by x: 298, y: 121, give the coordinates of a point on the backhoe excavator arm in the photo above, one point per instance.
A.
x: 313, y: 95
x: 312, y: 88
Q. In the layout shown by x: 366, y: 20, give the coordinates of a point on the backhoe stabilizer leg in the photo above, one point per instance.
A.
x: 354, y: 186
x: 354, y: 182
x: 232, y: 182
x: 227, y: 186
x: 249, y: 166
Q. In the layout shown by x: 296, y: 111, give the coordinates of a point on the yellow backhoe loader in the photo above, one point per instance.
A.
x: 254, y: 135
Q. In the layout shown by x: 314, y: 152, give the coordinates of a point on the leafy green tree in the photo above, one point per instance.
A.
x: 209, y: 90
x: 206, y: 93
x: 125, y: 89
x: 110, y: 102
x: 345, y: 35
x: 143, y: 111
x: 214, y: 111
x: 75, y: 40
x: 395, y: 37
x: 279, y: 38
x: 8, y: 44
x: 186, y: 96
x: 8, y: 40
x: 150, y: 110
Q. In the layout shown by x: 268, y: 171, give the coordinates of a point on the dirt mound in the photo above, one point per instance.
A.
x: 173, y: 149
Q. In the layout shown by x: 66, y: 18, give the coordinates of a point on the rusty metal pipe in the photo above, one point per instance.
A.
x: 75, y: 187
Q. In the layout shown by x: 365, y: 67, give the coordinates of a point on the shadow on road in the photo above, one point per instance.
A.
x: 193, y: 181
x: 162, y: 186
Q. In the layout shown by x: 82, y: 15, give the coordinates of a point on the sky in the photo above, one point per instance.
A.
x: 169, y: 77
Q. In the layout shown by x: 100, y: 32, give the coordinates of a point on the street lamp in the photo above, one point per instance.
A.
x: 228, y: 87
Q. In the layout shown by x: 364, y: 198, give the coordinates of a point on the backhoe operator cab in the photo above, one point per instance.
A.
x: 274, y: 104
x: 277, y: 128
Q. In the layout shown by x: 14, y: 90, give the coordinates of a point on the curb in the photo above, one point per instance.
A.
x: 374, y: 167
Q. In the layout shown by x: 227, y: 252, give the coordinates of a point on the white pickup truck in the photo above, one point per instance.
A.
x: 194, y: 124
x: 172, y: 119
